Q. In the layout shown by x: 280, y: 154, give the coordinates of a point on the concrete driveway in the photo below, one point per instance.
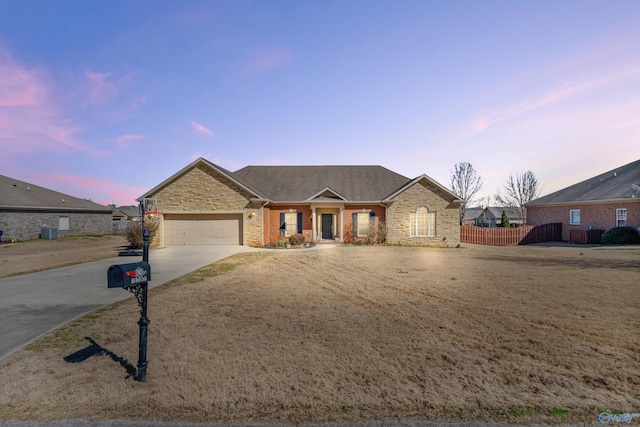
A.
x: 32, y: 304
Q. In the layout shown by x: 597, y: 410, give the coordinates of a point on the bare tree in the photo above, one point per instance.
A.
x: 465, y: 182
x: 520, y: 189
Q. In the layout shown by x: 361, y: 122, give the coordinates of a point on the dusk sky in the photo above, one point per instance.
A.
x: 106, y: 99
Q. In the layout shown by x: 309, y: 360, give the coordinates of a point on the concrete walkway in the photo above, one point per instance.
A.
x: 32, y: 304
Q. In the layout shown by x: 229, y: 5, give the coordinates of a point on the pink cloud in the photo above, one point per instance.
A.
x: 101, y: 191
x: 548, y: 98
x: 20, y: 86
x: 31, y: 118
x: 99, y: 89
x: 126, y: 141
x: 268, y: 60
x: 201, y: 129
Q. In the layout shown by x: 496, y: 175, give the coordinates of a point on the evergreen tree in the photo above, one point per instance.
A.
x: 504, y: 221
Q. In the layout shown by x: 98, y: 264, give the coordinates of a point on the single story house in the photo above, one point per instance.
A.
x: 471, y: 215
x: 611, y: 199
x: 25, y: 209
x: 205, y: 204
x: 126, y: 213
x: 491, y: 216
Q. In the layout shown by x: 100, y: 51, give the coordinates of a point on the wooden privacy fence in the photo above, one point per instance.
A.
x: 524, y: 235
x: 585, y: 237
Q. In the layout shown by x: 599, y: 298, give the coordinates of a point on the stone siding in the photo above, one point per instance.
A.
x: 27, y: 225
x: 253, y: 225
x: 598, y: 216
x: 203, y: 190
x: 423, y: 194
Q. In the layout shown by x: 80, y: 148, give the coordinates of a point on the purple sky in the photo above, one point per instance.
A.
x: 106, y: 99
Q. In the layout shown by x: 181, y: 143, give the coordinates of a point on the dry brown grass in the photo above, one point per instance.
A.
x: 39, y: 255
x: 520, y: 334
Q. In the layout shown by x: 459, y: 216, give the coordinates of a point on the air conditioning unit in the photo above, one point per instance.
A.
x: 49, y: 233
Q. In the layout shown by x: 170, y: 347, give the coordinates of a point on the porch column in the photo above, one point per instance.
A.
x: 341, y: 223
x: 314, y: 235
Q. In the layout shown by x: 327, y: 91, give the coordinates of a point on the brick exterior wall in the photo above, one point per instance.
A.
x: 203, y: 190
x: 598, y: 216
x: 27, y: 225
x: 349, y: 210
x: 272, y: 221
x: 272, y: 218
x: 418, y: 195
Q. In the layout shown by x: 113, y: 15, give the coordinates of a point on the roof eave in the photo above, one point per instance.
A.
x: 310, y: 202
x: 55, y: 208
x: 585, y: 202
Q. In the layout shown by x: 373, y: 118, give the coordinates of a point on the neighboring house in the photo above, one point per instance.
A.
x: 126, y: 213
x: 490, y: 217
x: 206, y: 204
x: 25, y: 209
x: 599, y: 203
x: 493, y: 215
x: 471, y: 216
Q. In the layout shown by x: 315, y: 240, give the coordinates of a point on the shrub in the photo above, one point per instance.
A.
x: 133, y: 232
x: 620, y: 236
x: 281, y: 242
x: 296, y: 239
x: 382, y: 232
x: 375, y: 236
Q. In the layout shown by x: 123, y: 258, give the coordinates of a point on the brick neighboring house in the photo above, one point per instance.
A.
x: 599, y: 203
x: 205, y: 204
x: 26, y: 208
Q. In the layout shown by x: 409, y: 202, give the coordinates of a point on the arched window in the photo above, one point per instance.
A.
x: 423, y: 223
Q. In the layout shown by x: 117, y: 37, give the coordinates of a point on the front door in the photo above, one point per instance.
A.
x: 327, y: 226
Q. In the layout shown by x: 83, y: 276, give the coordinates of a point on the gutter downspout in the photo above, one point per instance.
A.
x: 385, y: 206
x: 263, y: 219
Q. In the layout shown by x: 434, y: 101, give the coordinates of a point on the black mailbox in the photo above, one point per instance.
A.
x: 128, y: 275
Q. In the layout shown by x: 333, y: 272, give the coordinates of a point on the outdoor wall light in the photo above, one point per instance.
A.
x: 251, y: 215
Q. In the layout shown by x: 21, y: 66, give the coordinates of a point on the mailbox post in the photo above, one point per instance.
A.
x: 134, y: 278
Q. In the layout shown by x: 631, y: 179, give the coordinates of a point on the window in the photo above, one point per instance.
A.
x: 423, y: 223
x: 621, y: 217
x: 363, y: 223
x: 574, y: 217
x: 63, y: 223
x: 290, y: 223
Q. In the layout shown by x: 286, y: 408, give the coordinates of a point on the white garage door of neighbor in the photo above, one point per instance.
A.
x: 202, y: 230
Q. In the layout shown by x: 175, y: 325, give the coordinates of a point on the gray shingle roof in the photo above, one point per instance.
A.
x: 612, y: 185
x: 129, y: 211
x: 511, y: 212
x: 299, y: 183
x: 16, y: 194
x: 472, y: 213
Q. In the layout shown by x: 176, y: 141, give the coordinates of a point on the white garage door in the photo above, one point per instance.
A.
x: 202, y: 230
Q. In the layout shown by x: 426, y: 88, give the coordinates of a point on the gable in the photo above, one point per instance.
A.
x: 201, y: 188
x: 429, y: 184
x: 327, y: 195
